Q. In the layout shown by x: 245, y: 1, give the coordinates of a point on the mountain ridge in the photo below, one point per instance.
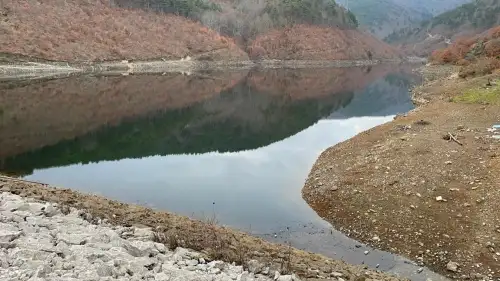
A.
x: 437, y: 33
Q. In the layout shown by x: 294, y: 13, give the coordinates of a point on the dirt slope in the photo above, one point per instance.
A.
x: 88, y: 30
x: 403, y: 187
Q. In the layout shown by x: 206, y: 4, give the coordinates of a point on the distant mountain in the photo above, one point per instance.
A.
x: 434, y: 7
x: 381, y: 17
x: 438, y: 32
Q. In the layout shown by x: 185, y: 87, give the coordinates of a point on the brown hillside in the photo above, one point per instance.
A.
x: 87, y: 30
x: 309, y: 42
x: 478, y: 55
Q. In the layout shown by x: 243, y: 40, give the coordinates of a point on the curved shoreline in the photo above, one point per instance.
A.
x: 403, y: 187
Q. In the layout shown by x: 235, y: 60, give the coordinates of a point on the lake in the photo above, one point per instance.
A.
x: 235, y: 145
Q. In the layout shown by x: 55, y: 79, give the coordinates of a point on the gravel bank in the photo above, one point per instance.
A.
x: 40, y: 241
x: 424, y: 185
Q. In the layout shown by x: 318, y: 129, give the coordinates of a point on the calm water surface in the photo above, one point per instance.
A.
x: 235, y: 145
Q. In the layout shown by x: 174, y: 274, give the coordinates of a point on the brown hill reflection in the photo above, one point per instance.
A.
x: 170, y: 115
x: 314, y: 83
x: 41, y: 114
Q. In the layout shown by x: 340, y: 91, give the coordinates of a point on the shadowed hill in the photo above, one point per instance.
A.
x: 465, y: 21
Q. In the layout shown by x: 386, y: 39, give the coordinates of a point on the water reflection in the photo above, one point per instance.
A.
x: 244, y: 141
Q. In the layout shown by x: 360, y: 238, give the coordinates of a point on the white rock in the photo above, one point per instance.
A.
x: 104, y: 270
x: 336, y: 274
x: 285, y: 278
x: 45, y: 244
x: 49, y: 210
x: 452, y: 266
x: 162, y: 277
x: 254, y: 266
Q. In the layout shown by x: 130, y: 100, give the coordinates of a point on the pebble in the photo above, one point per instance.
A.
x: 55, y: 245
x: 452, y: 266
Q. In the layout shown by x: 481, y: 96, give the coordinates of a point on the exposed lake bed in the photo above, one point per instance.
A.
x: 242, y: 154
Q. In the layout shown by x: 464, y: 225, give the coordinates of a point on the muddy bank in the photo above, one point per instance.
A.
x: 210, y: 239
x: 424, y: 185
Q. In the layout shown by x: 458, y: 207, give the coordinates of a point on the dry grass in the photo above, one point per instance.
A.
x: 316, y: 42
x: 479, y: 67
x: 90, y: 30
x: 465, y: 50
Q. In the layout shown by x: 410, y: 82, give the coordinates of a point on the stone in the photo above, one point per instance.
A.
x: 42, y: 271
x: 214, y: 270
x: 254, y: 266
x: 336, y: 274
x: 285, y: 278
x: 452, y: 266
x: 49, y: 210
x: 7, y: 236
x: 128, y: 247
x: 104, y: 270
x: 72, y: 238
x: 162, y: 277
x: 191, y: 262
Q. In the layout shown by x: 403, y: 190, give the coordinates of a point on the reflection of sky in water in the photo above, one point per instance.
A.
x: 257, y: 188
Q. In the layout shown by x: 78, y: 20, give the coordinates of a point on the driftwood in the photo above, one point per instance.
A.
x: 453, y: 138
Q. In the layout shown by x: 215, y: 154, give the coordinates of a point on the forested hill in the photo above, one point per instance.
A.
x: 466, y: 20
x: 247, y: 18
x: 97, y: 30
x: 382, y: 17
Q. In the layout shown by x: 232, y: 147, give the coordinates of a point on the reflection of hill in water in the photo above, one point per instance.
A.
x: 253, y: 113
x: 381, y: 98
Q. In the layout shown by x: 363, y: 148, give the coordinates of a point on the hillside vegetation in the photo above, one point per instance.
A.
x: 244, y: 19
x: 479, y: 55
x: 466, y: 20
x: 313, y: 42
x: 85, y: 30
x: 97, y: 30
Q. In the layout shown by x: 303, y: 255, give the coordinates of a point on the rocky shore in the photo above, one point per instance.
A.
x: 425, y: 185
x: 42, y: 241
x: 51, y: 233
